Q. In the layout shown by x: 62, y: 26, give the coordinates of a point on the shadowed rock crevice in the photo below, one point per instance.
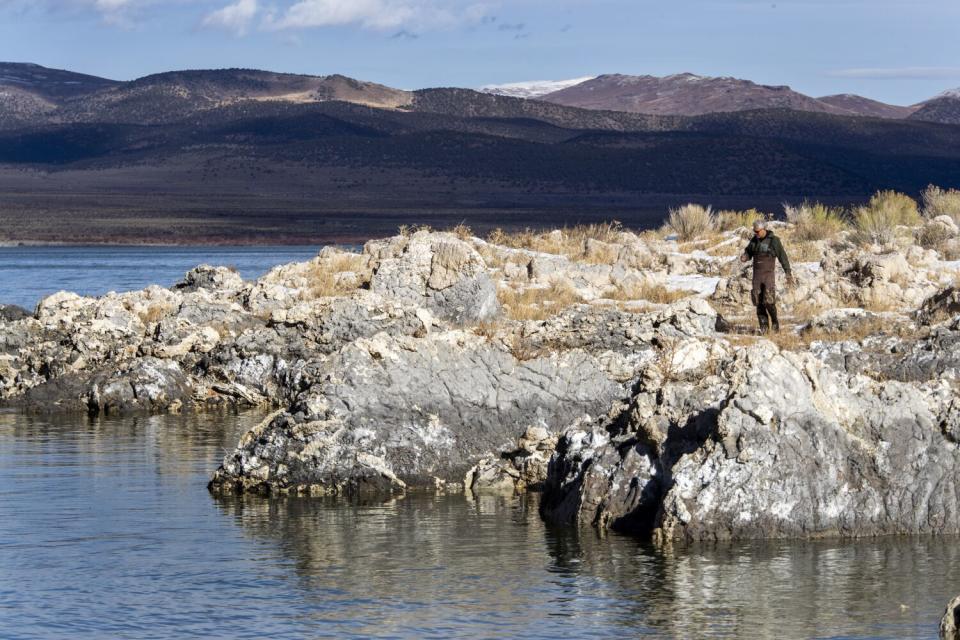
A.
x: 788, y: 447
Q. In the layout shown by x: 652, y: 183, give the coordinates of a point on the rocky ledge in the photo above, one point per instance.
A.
x: 613, y: 371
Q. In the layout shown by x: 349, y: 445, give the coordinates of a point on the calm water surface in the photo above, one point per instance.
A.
x: 29, y: 273
x: 107, y: 531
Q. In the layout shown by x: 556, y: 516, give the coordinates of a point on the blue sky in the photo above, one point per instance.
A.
x: 896, y: 51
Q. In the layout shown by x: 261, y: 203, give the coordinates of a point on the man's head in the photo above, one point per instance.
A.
x: 760, y: 227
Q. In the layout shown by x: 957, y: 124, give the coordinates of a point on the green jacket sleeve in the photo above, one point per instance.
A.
x: 782, y: 256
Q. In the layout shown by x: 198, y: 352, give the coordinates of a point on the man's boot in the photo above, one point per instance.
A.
x: 772, y: 310
x: 762, y: 318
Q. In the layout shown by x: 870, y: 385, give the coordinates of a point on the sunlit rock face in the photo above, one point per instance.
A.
x: 775, y: 444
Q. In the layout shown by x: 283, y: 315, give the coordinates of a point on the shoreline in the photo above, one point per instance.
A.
x: 13, y: 244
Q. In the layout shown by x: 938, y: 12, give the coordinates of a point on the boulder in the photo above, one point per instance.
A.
x: 424, y: 408
x: 11, y: 312
x: 437, y: 271
x: 145, y: 385
x: 217, y: 279
x: 950, y: 623
x: 777, y: 445
x: 522, y: 469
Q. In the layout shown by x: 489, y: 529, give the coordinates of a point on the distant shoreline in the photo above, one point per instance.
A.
x: 199, y: 242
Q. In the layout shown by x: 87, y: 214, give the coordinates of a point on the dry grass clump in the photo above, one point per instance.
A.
x: 486, y: 329
x: 462, y: 231
x: 876, y: 222
x: 406, y: 230
x: 154, y: 313
x: 338, y: 275
x: 584, y: 243
x: 656, y: 293
x: 874, y: 226
x: 537, y: 303
x: 691, y: 221
x: 815, y: 221
x: 602, y: 231
x: 802, y: 251
x: 941, y: 202
x: 930, y: 236
x: 856, y: 331
x: 730, y: 220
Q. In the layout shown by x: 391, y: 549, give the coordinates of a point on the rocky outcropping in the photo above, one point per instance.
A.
x: 950, y: 623
x: 417, y: 362
x: 775, y: 444
x: 214, y: 339
x: 423, y: 408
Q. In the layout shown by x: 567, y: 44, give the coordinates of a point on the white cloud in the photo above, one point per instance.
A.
x: 118, y: 13
x: 380, y: 15
x: 897, y: 73
x: 240, y: 16
x: 234, y: 17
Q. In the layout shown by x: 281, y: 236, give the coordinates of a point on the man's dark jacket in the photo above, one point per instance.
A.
x: 769, y: 246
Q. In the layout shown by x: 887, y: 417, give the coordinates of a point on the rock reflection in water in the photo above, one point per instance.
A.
x: 107, y: 530
x: 447, y: 565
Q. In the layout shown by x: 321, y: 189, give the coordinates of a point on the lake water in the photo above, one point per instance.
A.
x: 29, y: 273
x: 107, y: 531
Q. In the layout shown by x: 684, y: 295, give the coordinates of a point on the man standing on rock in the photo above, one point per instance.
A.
x: 765, y: 249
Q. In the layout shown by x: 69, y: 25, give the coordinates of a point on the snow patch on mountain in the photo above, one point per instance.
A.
x: 532, y: 88
x: 949, y: 93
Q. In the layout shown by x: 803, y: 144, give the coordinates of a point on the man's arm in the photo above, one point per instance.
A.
x: 782, y: 257
x: 746, y: 255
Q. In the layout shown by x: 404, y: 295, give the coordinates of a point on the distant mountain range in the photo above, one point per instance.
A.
x: 227, y: 152
x: 31, y: 94
x: 689, y: 94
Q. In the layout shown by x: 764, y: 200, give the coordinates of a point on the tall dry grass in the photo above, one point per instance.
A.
x: 815, y: 221
x: 571, y: 242
x: 691, y: 221
x: 337, y: 275
x: 657, y: 293
x: 731, y: 220
x: 537, y: 303
x: 941, y: 202
x: 876, y: 222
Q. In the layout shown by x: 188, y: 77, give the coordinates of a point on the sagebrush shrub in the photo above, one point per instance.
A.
x: 877, y: 221
x: 815, y: 221
x: 730, y: 220
x: 941, y: 202
x: 898, y: 206
x: 691, y: 221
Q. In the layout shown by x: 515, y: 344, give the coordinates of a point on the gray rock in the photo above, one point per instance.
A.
x: 11, y: 312
x: 437, y: 271
x: 950, y: 623
x: 143, y: 385
x: 925, y: 356
x: 204, y: 276
x: 779, y: 445
x: 421, y: 408
x: 943, y: 304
